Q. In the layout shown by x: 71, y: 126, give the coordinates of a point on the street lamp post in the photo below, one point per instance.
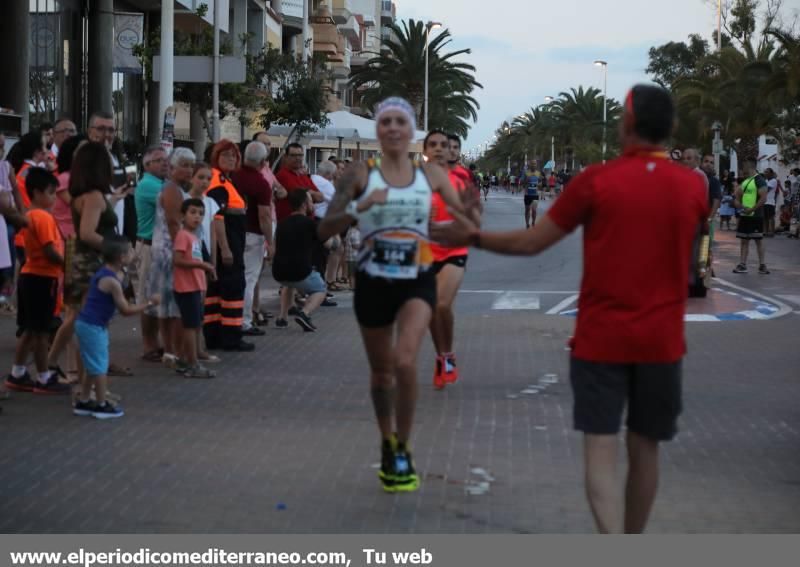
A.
x: 549, y: 99
x: 604, y: 65
x: 717, y: 148
x: 428, y: 27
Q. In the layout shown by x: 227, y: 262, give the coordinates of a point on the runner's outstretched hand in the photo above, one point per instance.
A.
x: 471, y: 200
x: 456, y: 233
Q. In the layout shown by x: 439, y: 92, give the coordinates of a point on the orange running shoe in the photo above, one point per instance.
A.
x: 450, y: 369
x: 439, y: 380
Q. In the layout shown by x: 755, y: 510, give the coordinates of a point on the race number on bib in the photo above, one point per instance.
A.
x: 394, y: 258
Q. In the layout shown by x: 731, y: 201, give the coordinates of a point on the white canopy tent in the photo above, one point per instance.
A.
x: 345, y: 131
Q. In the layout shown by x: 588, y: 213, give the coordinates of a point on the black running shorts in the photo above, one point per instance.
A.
x: 529, y: 200
x: 750, y: 228
x: 378, y: 300
x: 652, y: 393
x: 457, y: 261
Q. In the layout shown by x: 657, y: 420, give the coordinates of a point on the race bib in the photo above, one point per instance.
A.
x: 394, y: 258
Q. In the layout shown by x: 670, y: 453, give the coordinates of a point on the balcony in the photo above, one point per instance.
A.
x: 341, y: 11
x: 338, y: 57
x: 352, y: 31
x: 360, y: 59
x: 326, y: 40
x: 341, y: 70
x: 388, y: 11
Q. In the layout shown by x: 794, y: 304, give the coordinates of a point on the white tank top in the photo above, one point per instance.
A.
x: 395, y: 241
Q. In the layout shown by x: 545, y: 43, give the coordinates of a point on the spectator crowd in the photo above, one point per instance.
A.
x: 180, y: 242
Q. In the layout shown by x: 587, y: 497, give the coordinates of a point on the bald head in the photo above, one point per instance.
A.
x: 691, y: 158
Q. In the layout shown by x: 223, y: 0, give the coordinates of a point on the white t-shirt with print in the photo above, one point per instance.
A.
x: 772, y: 190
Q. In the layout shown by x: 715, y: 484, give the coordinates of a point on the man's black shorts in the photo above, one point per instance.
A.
x: 769, y: 211
x: 652, y: 393
x: 750, y: 228
x: 529, y: 200
x: 457, y: 261
x: 377, y: 300
x: 37, y: 296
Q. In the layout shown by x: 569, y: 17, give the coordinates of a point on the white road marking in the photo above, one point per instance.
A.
x: 783, y: 309
x: 791, y: 298
x: 563, y: 305
x: 499, y: 291
x: 700, y: 318
x: 516, y: 300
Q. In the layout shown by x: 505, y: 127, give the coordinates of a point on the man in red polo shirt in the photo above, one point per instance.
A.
x: 291, y: 177
x: 629, y: 339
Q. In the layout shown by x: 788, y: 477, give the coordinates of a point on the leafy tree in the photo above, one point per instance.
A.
x: 672, y: 60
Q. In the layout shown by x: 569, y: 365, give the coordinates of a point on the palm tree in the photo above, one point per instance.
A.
x: 401, y: 72
x: 579, y: 115
x: 784, y: 88
x: 736, y: 93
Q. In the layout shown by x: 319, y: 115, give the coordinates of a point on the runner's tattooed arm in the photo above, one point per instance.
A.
x: 348, y: 187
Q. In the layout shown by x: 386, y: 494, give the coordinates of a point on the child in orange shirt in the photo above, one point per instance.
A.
x: 37, y: 289
x: 189, y: 281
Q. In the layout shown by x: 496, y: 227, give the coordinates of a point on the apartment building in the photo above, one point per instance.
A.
x: 80, y: 57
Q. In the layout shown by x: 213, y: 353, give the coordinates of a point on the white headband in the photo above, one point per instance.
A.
x: 398, y: 104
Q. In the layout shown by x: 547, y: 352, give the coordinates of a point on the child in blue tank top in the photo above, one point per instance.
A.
x: 104, y: 298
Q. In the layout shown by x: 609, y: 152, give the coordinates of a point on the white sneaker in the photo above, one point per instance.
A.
x: 170, y: 360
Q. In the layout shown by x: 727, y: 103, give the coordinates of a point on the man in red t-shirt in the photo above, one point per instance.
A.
x: 629, y: 338
x: 291, y: 177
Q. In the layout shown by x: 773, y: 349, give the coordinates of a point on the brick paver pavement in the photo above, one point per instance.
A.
x: 284, y: 439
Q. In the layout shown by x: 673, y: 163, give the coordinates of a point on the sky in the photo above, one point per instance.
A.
x: 525, y: 50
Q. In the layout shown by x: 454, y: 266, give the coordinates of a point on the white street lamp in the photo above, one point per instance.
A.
x: 428, y: 27
x: 604, y: 65
x: 549, y: 99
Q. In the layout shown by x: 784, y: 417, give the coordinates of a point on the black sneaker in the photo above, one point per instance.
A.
x: 740, y: 269
x: 253, y: 332
x: 329, y: 295
x: 58, y: 371
x: 84, y: 409
x: 762, y: 269
x: 181, y: 366
x: 107, y: 411
x: 281, y: 324
x: 328, y: 303
x: 52, y: 387
x: 21, y: 384
x: 405, y: 477
x: 305, y: 322
x: 293, y: 311
x: 386, y: 472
